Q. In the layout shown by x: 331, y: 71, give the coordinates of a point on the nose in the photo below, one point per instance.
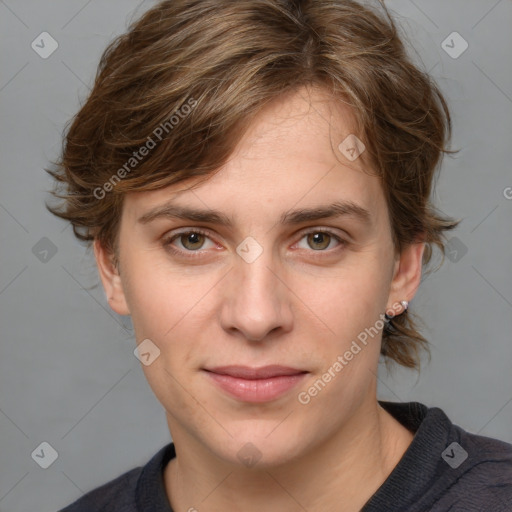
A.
x: 256, y: 300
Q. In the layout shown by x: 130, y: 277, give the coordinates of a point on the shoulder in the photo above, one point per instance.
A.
x: 445, y: 468
x: 113, y: 496
x: 132, y: 491
x: 487, y: 460
x: 482, y: 473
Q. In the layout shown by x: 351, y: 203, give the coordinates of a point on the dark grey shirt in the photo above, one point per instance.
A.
x: 444, y: 469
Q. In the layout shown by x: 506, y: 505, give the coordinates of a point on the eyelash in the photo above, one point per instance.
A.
x: 167, y: 242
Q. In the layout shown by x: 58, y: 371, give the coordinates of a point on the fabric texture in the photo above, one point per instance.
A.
x: 445, y: 469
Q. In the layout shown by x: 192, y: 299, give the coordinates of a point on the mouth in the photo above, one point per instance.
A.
x: 255, y: 385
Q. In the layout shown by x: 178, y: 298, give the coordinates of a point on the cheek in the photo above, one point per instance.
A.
x: 349, y: 309
x: 163, y: 310
x: 171, y: 309
x: 159, y: 297
x: 352, y: 310
x: 353, y: 299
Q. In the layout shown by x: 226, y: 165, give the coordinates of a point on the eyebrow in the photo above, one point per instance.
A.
x: 337, y: 209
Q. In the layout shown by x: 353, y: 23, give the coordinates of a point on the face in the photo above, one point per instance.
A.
x: 279, y: 276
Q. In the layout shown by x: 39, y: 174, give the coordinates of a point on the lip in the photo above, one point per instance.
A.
x: 256, y: 385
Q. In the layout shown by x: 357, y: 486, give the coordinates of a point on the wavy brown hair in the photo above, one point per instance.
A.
x: 228, y: 59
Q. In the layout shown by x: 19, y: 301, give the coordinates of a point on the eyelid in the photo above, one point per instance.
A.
x: 329, y: 230
x: 169, y: 237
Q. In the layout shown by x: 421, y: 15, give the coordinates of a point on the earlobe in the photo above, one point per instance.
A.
x: 111, y: 279
x: 407, y: 275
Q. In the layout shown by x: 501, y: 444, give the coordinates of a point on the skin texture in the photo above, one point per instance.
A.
x: 301, y: 303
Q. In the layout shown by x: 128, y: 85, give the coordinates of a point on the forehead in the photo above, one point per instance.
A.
x: 289, y: 157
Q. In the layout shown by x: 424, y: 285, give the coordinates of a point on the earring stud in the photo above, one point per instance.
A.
x: 405, y: 305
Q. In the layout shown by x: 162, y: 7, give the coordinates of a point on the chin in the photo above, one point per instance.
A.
x: 255, y: 448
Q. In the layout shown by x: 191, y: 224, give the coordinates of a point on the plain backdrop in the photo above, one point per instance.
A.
x: 68, y: 375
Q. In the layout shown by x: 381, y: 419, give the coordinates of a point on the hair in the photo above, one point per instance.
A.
x: 174, y: 94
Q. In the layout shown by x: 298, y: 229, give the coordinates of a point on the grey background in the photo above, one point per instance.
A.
x: 68, y: 375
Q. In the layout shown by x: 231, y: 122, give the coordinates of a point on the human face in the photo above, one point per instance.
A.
x: 292, y: 296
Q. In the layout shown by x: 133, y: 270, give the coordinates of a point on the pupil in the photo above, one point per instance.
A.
x: 318, y: 238
x: 192, y: 239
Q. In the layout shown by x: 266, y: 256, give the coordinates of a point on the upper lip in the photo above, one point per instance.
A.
x: 263, y: 372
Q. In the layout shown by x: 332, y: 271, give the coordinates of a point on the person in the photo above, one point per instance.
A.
x: 255, y: 179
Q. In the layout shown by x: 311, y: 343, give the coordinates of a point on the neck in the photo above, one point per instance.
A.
x: 341, y: 473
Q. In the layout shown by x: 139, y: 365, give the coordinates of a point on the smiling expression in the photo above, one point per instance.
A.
x: 282, y: 257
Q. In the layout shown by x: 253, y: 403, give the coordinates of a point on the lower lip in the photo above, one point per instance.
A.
x: 256, y: 390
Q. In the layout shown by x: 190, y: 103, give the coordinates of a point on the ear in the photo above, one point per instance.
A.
x: 111, y: 279
x: 407, y: 274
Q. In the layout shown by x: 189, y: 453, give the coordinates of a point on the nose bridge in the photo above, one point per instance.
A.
x: 255, y: 300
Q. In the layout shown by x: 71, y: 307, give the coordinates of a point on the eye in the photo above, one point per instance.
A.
x: 194, y: 242
x: 320, y: 240
x: 191, y: 241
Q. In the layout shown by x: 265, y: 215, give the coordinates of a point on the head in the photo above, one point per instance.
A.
x: 257, y: 115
